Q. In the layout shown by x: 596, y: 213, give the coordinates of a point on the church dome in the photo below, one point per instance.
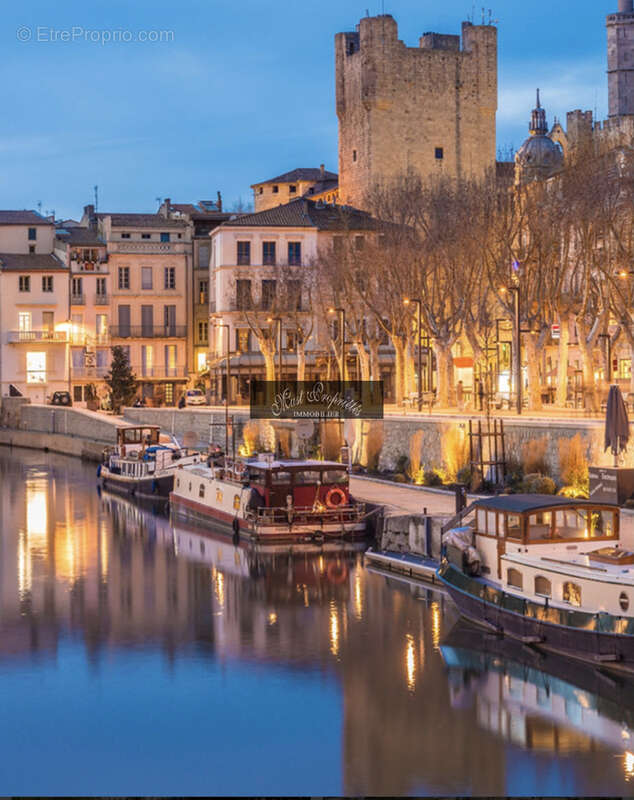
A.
x: 539, y: 157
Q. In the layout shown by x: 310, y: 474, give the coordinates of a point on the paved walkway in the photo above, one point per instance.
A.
x: 403, y: 499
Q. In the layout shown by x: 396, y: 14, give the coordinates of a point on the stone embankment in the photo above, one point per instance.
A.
x: 71, y: 431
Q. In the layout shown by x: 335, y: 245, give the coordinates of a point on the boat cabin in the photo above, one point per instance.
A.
x: 132, y: 439
x: 540, y: 526
x: 307, y: 482
x: 545, y: 519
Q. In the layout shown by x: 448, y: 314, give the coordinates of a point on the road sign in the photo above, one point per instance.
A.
x: 555, y: 330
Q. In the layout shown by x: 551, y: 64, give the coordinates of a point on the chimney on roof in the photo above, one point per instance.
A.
x: 322, y: 171
x: 219, y: 202
x: 91, y: 217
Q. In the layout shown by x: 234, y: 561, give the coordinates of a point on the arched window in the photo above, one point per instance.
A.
x: 543, y: 586
x: 201, y: 490
x: 514, y: 578
x: 572, y: 593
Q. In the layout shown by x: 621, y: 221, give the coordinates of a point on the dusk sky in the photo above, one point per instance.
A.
x: 243, y: 92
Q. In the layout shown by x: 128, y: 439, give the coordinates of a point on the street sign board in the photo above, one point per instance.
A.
x: 555, y: 331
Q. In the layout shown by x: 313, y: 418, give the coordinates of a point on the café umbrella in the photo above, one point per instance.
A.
x: 617, y: 425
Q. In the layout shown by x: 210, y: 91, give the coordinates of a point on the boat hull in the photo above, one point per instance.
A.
x: 148, y: 487
x: 191, y: 511
x: 578, y: 634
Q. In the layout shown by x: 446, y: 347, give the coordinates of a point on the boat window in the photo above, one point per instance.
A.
x: 131, y: 436
x: 539, y: 525
x: 334, y: 476
x: 514, y: 526
x: 624, y: 601
x: 307, y: 476
x: 572, y: 593
x: 514, y: 578
x: 281, y: 478
x: 602, y: 523
x: 492, y: 523
x: 201, y: 490
x: 571, y: 523
x: 256, y: 476
x: 481, y: 520
x: 178, y: 482
x: 543, y: 586
x: 190, y: 486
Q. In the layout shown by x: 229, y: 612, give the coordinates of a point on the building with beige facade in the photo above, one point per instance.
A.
x: 83, y: 251
x: 34, y: 320
x: 149, y: 264
x: 309, y: 182
x: 201, y: 217
x: 255, y: 258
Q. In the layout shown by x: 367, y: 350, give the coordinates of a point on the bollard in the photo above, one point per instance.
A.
x: 461, y: 498
x: 428, y: 544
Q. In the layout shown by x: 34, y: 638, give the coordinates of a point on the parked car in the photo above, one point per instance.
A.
x: 195, y: 397
x: 61, y: 399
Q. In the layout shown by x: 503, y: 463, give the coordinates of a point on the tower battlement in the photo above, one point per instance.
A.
x: 429, y: 108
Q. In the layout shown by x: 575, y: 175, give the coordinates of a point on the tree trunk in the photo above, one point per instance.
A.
x: 375, y: 370
x: 410, y: 369
x: 364, y: 361
x: 399, y: 368
x: 534, y: 373
x: 444, y: 359
x: 589, y: 381
x: 268, y: 350
x: 561, y: 394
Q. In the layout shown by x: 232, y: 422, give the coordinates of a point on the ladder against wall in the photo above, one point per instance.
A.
x: 487, y: 456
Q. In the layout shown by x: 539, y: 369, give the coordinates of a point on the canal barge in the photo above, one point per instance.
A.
x: 270, y: 500
x: 548, y: 571
x: 143, y: 462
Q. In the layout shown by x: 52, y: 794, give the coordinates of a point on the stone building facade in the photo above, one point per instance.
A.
x: 429, y: 108
x: 621, y: 60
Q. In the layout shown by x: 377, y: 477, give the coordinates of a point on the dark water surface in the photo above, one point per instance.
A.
x: 139, y: 659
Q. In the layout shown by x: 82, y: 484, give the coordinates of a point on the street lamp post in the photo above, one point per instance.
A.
x: 608, y: 346
x: 228, y: 387
x: 518, y: 349
x: 342, y: 336
x: 407, y: 302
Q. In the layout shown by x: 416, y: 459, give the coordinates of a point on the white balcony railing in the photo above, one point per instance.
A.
x: 158, y: 248
x: 57, y: 337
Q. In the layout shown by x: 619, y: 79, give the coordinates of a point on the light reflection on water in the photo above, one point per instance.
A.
x: 168, y: 659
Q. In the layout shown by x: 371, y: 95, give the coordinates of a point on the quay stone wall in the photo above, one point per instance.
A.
x: 19, y: 414
x: 392, y: 438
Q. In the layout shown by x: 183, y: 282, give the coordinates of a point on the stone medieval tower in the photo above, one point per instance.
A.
x: 429, y: 108
x: 621, y: 60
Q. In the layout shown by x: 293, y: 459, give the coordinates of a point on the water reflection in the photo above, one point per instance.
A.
x: 539, y: 701
x: 358, y: 670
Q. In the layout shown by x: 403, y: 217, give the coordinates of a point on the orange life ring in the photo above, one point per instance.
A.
x: 335, y: 492
x: 337, y: 573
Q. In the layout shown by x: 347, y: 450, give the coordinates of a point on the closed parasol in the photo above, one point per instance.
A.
x: 617, y: 424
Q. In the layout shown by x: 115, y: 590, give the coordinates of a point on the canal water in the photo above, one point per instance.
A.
x: 141, y: 659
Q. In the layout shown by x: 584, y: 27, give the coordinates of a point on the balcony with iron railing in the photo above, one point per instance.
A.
x: 44, y: 337
x: 102, y: 299
x: 163, y: 372
x: 89, y: 372
x: 79, y: 265
x: 148, y: 331
x: 77, y: 299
